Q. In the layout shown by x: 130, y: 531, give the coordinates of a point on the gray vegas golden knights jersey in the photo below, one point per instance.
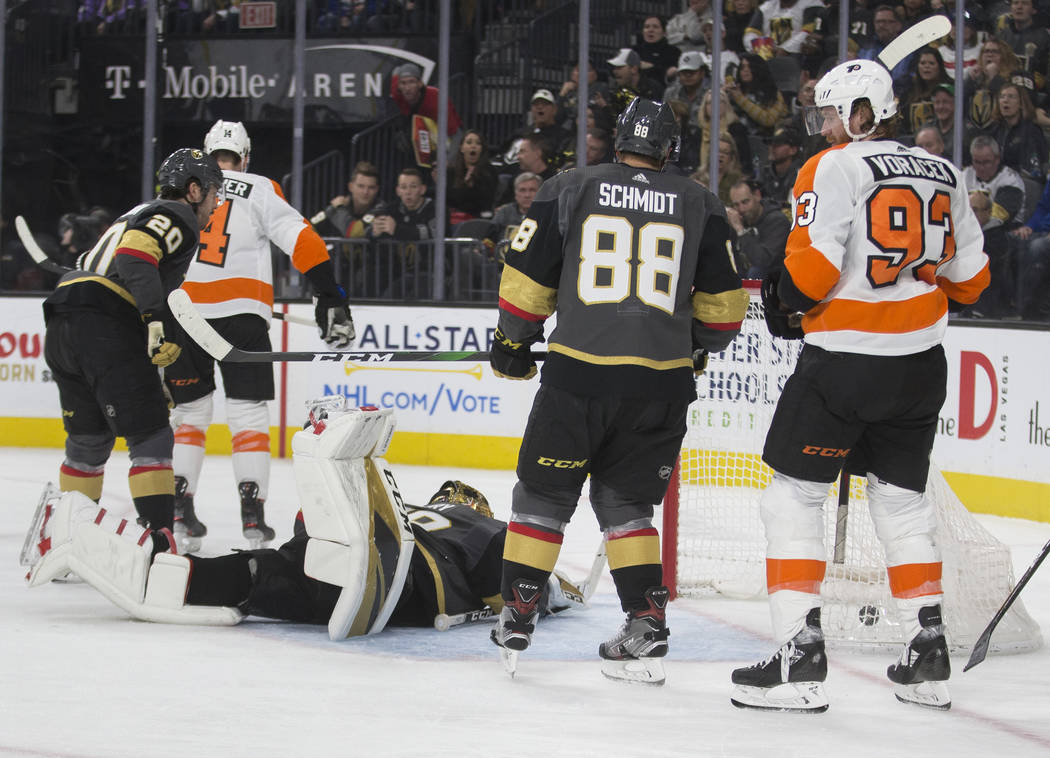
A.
x: 638, y: 266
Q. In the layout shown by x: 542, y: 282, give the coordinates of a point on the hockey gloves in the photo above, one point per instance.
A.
x: 160, y: 351
x: 779, y: 322
x: 699, y: 360
x: 333, y: 318
x: 511, y: 360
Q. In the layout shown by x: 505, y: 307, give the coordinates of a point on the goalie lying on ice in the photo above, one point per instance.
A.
x: 360, y: 556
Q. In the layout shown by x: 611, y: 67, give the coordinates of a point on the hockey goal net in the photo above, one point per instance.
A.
x: 714, y: 540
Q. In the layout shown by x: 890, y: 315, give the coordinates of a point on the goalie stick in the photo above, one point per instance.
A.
x: 44, y: 261
x: 913, y: 38
x: 980, y: 648
x: 220, y: 349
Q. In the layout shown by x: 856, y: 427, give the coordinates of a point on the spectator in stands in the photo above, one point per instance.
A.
x: 657, y: 57
x: 1029, y: 41
x: 887, y: 28
x: 777, y: 177
x: 690, y: 137
x: 943, y: 100
x: 761, y: 229
x: 342, y: 16
x: 351, y: 215
x: 929, y: 139
x: 730, y: 60
x: 103, y: 16
x: 626, y: 71
x: 755, y: 96
x: 78, y: 232
x: 683, y: 30
x: 568, y: 95
x: 910, y: 12
x: 729, y: 127
x: 402, y: 17
x: 780, y: 27
x: 1021, y: 142
x: 916, y: 103
x: 224, y: 16
x: 411, y: 219
x: 542, y: 122
x: 1002, y: 184
x: 472, y: 181
x: 1034, y: 236
x: 535, y: 155
x: 729, y: 172
x: 412, y: 98
x: 973, y: 38
x: 601, y: 117
x: 509, y: 216
x: 998, y: 299
x: 995, y: 65
x: 692, y: 70
x: 823, y: 41
x: 735, y: 19
x: 599, y: 147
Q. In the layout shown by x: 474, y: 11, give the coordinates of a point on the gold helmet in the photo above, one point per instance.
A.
x: 458, y: 493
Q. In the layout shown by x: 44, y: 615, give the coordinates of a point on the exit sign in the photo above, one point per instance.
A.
x: 258, y: 15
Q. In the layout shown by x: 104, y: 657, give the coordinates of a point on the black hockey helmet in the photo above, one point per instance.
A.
x: 647, y: 127
x: 458, y: 493
x: 186, y: 164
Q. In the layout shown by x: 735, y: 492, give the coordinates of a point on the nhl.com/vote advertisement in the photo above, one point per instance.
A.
x: 995, y: 420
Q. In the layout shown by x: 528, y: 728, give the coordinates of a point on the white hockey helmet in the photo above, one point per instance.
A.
x: 229, y: 135
x: 852, y: 81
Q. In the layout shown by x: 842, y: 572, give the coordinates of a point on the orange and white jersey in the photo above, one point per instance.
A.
x: 232, y: 272
x: 882, y: 236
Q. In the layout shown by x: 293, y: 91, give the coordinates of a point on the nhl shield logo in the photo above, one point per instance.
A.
x: 665, y: 472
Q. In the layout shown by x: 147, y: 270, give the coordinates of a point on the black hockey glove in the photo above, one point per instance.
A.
x: 779, y: 322
x: 332, y: 314
x: 511, y: 360
x: 699, y: 360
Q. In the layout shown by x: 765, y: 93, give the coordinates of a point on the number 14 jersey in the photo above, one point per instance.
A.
x: 882, y: 235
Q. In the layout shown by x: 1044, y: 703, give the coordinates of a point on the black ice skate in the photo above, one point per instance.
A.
x: 634, y: 654
x: 792, y: 679
x: 924, y: 667
x: 517, y: 622
x: 188, y: 529
x: 253, y: 522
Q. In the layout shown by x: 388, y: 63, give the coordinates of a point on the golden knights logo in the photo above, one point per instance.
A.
x: 780, y: 29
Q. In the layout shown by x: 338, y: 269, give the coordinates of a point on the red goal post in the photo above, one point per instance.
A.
x: 714, y: 541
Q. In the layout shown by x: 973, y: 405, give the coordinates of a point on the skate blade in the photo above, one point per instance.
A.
x: 44, y: 509
x: 800, y: 697
x: 635, y: 670
x: 509, y: 659
x: 926, y: 694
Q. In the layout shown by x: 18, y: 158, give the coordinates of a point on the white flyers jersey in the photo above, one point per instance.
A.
x: 232, y: 272
x: 882, y: 236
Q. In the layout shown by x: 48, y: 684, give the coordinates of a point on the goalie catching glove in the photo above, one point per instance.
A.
x: 162, y: 352
x: 779, y: 322
x: 333, y: 318
x: 511, y: 360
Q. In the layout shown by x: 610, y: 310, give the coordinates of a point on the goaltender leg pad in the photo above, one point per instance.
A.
x: 54, y: 526
x: 120, y: 568
x: 361, y: 538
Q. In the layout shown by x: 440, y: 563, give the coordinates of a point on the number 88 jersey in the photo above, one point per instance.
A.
x: 882, y: 236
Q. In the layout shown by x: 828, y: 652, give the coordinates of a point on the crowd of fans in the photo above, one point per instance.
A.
x: 772, y: 55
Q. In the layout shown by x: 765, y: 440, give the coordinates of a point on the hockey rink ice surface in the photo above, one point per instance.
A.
x: 79, y: 679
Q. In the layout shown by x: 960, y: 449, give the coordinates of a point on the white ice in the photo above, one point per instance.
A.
x: 78, y: 678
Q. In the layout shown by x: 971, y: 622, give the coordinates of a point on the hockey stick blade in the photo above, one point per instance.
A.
x: 36, y: 252
x: 912, y: 38
x: 219, y: 348
x: 980, y: 648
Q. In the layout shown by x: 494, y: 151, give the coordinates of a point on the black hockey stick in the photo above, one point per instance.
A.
x: 221, y: 349
x: 36, y: 252
x: 842, y: 517
x: 980, y: 648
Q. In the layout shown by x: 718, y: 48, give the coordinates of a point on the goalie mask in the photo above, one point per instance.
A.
x: 456, y: 492
x: 847, y: 83
x: 231, y: 136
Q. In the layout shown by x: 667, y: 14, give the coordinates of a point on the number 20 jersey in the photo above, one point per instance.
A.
x: 882, y: 236
x: 638, y: 265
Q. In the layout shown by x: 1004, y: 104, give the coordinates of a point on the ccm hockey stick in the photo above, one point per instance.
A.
x: 44, y: 261
x: 980, y: 649
x: 220, y: 349
x: 912, y: 38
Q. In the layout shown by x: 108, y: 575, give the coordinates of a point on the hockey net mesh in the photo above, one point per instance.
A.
x: 711, y: 517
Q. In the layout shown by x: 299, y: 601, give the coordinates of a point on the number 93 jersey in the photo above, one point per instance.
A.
x: 638, y: 265
x: 882, y: 236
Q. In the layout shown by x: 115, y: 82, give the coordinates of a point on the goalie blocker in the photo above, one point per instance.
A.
x: 360, y: 557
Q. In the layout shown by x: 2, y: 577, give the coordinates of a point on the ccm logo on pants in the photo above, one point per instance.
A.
x: 554, y: 463
x: 825, y: 452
